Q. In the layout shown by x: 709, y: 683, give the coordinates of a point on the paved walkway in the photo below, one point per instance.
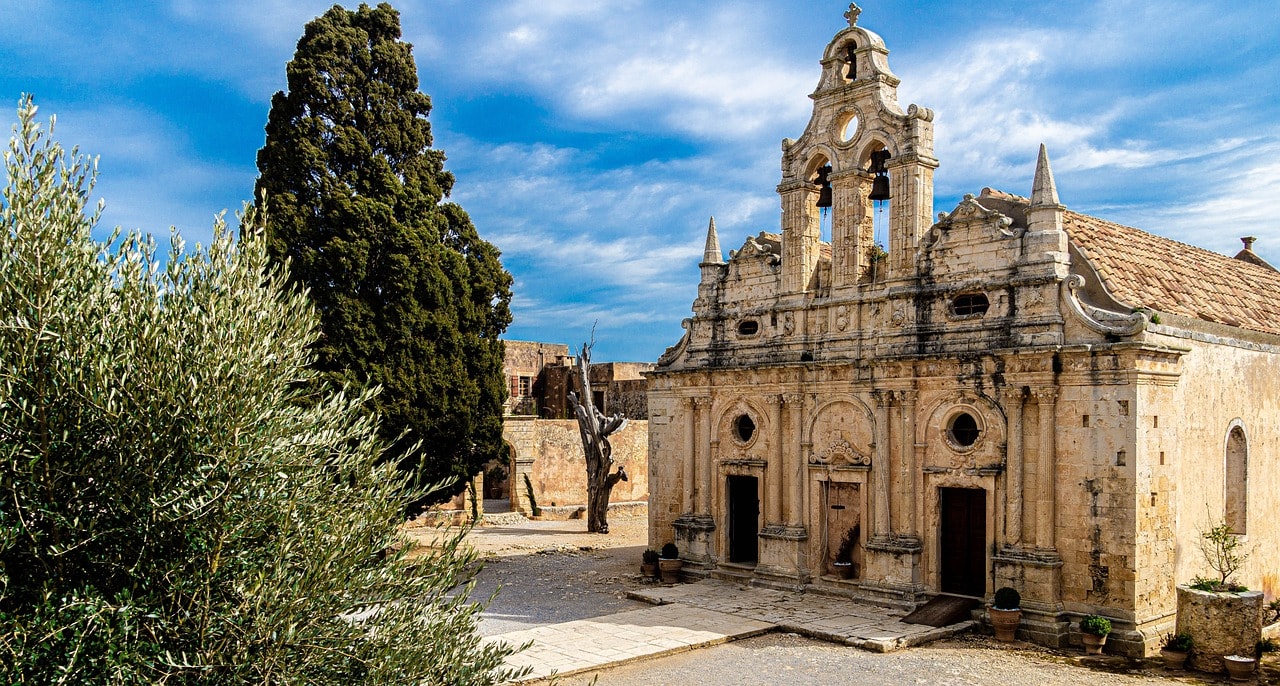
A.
x: 709, y: 612
x: 580, y: 645
x: 830, y: 618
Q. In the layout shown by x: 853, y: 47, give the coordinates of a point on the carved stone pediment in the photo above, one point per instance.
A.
x: 969, y: 212
x: 840, y: 453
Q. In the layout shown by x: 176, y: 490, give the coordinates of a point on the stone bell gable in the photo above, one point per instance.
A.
x: 1008, y: 393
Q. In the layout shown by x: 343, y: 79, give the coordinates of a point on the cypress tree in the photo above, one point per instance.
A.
x: 410, y: 297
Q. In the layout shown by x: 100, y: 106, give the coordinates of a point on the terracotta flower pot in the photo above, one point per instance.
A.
x: 1005, y: 623
x: 1173, y: 659
x: 1239, y: 667
x: 670, y: 570
x: 1093, y: 643
x: 649, y: 569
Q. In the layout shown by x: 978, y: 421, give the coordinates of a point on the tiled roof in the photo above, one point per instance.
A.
x: 1145, y: 270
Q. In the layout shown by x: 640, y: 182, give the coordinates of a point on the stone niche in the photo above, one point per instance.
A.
x: 1220, y: 624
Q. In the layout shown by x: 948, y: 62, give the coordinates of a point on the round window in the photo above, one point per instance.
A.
x: 744, y: 428
x: 850, y: 129
x: 963, y: 430
x: 748, y: 327
x: 970, y: 305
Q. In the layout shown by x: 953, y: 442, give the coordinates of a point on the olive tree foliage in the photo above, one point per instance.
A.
x: 410, y: 296
x: 172, y: 510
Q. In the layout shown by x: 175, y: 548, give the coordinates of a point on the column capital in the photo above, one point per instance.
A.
x: 1046, y: 395
x: 907, y: 397
x: 883, y: 398
x: 793, y: 399
x: 1013, y: 393
x: 773, y: 399
x: 703, y: 402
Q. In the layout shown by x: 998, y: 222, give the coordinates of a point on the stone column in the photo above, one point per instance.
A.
x: 796, y: 469
x: 1013, y: 473
x: 690, y: 446
x: 1046, y: 509
x: 851, y: 228
x: 908, y: 497
x: 880, y: 465
x: 704, y: 466
x: 773, y: 476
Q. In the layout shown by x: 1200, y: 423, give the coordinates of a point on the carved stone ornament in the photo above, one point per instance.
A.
x: 898, y: 317
x: 1097, y: 319
x: 842, y: 317
x: 970, y: 211
x: 840, y: 453
x: 674, y: 352
x: 788, y: 323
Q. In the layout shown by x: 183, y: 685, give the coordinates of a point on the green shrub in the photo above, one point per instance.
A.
x: 1096, y: 625
x: 180, y: 503
x: 1180, y: 642
x: 650, y: 557
x: 670, y: 552
x: 1007, y: 599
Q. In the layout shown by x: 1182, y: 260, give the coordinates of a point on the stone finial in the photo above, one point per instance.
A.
x: 711, y: 254
x: 1044, y: 192
x: 1248, y: 241
x: 852, y: 14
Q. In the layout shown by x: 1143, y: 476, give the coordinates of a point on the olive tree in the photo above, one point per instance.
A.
x: 172, y: 509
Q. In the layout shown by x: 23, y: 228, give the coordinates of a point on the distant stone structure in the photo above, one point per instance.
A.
x: 543, y: 436
x: 1012, y: 394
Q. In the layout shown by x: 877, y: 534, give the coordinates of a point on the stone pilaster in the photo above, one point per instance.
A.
x: 907, y: 495
x: 773, y: 514
x: 796, y: 466
x: 801, y: 234
x: 1046, y: 510
x: 1013, y: 399
x: 881, y: 467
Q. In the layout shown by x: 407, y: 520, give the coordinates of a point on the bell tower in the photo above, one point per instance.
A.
x: 873, y: 159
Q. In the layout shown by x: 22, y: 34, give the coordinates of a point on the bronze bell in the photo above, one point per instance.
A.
x: 824, y: 194
x: 880, y: 188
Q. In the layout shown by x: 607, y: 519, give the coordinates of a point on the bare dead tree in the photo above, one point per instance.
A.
x: 596, y: 429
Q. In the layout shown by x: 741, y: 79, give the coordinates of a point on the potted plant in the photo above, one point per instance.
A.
x: 1207, y: 605
x: 1175, y: 650
x: 1006, y: 613
x: 1094, y: 630
x: 1242, y: 667
x: 842, y: 566
x: 669, y: 564
x: 1239, y: 667
x: 649, y: 563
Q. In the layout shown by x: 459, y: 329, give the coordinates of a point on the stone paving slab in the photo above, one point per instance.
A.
x: 829, y: 618
x: 584, y: 644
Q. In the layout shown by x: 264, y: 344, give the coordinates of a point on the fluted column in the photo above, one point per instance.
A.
x: 704, y: 460
x: 795, y: 470
x: 690, y: 459
x: 908, y: 497
x: 1047, y: 496
x: 1013, y: 399
x: 773, y: 476
x: 880, y: 465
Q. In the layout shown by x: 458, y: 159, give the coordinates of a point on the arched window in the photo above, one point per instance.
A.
x: 1236, y: 487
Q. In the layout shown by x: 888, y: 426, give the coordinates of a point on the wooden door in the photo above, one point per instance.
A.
x: 744, y: 518
x: 963, y: 540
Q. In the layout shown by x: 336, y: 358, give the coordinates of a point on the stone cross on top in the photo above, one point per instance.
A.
x: 852, y: 14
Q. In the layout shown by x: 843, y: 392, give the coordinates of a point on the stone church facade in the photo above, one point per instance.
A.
x: 1007, y: 394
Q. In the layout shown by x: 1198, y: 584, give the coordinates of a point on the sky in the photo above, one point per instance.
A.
x: 593, y: 139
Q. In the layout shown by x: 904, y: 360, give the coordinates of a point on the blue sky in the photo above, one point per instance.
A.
x: 593, y: 139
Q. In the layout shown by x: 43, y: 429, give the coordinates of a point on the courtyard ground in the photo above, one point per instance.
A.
x: 550, y: 572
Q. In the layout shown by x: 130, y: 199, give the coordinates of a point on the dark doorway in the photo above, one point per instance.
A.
x: 744, y: 518
x: 963, y: 539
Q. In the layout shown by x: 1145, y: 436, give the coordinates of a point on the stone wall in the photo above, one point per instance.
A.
x: 549, y: 451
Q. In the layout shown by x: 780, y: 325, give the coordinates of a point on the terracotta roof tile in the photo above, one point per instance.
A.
x: 1141, y: 269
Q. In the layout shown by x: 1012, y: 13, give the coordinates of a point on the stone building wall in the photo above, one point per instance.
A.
x: 549, y: 451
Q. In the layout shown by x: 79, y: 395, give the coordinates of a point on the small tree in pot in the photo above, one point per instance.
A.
x: 669, y: 564
x: 1094, y: 630
x: 1006, y: 613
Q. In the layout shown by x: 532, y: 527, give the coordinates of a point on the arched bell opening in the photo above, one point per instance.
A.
x: 875, y: 160
x: 820, y: 175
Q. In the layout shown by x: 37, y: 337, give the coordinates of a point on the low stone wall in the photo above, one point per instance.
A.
x: 1220, y: 624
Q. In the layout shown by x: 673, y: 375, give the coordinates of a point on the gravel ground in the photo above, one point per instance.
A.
x: 797, y: 661
x: 547, y: 572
